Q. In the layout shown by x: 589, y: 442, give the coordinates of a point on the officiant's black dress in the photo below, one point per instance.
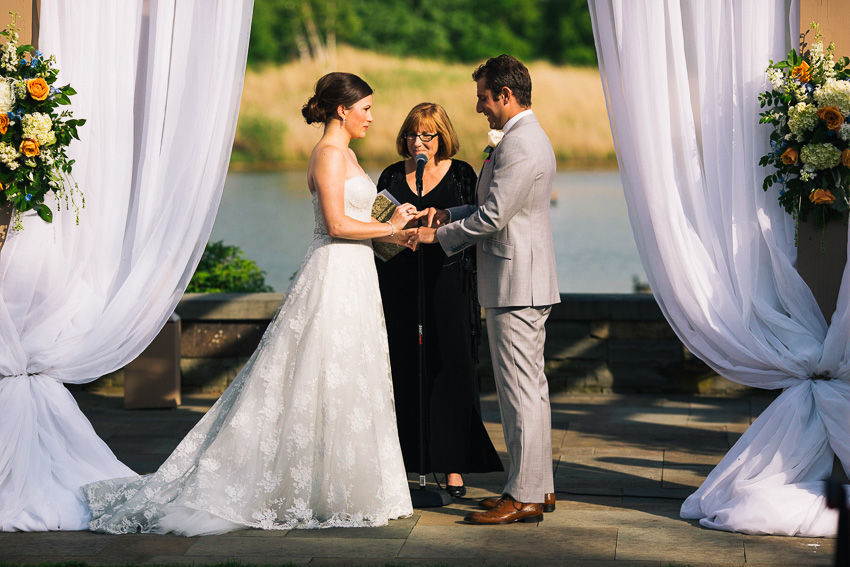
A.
x: 456, y: 438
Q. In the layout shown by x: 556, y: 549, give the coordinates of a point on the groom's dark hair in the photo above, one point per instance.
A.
x: 505, y: 71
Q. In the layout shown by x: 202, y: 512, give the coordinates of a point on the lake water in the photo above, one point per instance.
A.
x: 270, y: 216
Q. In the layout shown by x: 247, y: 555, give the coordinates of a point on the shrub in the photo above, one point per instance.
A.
x: 225, y: 269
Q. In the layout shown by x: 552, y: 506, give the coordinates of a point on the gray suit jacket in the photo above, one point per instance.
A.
x: 510, y: 226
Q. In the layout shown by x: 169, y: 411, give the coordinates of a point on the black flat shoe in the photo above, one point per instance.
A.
x: 456, y: 491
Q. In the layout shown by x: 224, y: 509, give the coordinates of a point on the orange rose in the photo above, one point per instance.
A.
x: 832, y: 116
x: 845, y: 158
x: 38, y: 88
x: 802, y: 72
x: 821, y: 197
x: 29, y: 147
x: 790, y: 156
x: 4, y: 122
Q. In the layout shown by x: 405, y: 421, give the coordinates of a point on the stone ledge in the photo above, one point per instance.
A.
x: 595, y: 343
x: 573, y: 307
x: 228, y: 306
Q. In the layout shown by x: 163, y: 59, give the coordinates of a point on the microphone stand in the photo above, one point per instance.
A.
x: 836, y: 497
x: 423, y: 497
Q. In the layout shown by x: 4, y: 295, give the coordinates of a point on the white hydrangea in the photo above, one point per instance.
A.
x: 7, y: 96
x: 9, y: 155
x: 844, y: 132
x: 21, y: 88
x: 801, y: 118
x: 834, y: 93
x: 820, y: 156
x: 39, y: 127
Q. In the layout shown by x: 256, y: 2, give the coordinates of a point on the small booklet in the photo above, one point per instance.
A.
x: 382, y: 210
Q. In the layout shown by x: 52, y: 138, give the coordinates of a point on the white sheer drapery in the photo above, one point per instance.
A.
x: 159, y: 82
x: 682, y: 79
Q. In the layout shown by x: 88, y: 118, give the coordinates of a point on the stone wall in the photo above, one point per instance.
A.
x: 595, y: 343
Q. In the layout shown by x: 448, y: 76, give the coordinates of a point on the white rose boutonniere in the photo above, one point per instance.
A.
x: 493, y: 139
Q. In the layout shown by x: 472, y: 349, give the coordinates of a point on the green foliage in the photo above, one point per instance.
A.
x: 258, y: 139
x: 224, y: 269
x: 284, y: 29
x: 567, y: 34
x: 452, y: 30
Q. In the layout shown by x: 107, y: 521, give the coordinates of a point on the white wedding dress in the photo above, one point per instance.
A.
x: 305, y: 436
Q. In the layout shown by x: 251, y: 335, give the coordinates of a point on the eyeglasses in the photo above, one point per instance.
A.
x: 424, y: 137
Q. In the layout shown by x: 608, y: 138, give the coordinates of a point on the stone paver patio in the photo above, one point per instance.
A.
x: 623, y: 465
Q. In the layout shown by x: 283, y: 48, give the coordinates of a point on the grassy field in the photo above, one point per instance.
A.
x: 272, y: 134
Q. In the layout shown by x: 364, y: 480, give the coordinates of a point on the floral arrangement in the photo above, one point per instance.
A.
x: 808, y: 107
x: 34, y: 134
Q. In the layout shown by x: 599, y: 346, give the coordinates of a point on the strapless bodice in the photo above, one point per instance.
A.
x: 359, y: 195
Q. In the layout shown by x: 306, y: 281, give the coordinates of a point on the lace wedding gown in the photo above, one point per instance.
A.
x: 305, y: 436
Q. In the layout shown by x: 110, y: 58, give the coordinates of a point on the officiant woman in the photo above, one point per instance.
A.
x: 456, y: 439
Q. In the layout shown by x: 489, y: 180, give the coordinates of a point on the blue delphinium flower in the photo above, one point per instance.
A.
x: 34, y: 62
x: 28, y: 197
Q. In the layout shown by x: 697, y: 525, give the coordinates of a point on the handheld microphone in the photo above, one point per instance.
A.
x: 421, y: 160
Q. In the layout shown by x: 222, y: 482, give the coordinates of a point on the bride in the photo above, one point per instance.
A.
x: 305, y: 436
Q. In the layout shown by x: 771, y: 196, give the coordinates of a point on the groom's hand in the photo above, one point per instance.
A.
x: 433, y: 217
x: 426, y: 235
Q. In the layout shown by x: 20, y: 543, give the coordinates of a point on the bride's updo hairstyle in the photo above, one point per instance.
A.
x: 333, y: 90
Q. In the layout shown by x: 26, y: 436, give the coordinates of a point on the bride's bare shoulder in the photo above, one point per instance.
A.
x: 324, y: 153
x: 327, y: 163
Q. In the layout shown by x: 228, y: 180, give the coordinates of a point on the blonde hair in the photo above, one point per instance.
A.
x: 429, y: 117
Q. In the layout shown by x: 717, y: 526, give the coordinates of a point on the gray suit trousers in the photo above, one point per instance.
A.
x: 517, y: 336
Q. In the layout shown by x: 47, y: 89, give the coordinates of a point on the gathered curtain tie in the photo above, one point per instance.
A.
x: 25, y: 374
x: 820, y: 377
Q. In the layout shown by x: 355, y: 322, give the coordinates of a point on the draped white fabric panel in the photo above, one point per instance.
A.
x: 159, y: 82
x: 682, y: 79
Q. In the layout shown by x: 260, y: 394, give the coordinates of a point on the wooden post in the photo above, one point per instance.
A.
x: 28, y: 23
x: 822, y: 271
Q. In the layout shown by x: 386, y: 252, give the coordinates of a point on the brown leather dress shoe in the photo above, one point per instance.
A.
x: 548, y: 502
x: 507, y: 511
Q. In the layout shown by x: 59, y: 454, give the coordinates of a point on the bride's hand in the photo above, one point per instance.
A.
x: 406, y: 238
x: 402, y: 215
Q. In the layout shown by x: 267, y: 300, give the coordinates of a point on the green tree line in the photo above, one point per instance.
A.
x: 453, y: 30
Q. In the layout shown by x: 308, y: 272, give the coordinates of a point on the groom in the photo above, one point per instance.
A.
x: 517, y: 283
